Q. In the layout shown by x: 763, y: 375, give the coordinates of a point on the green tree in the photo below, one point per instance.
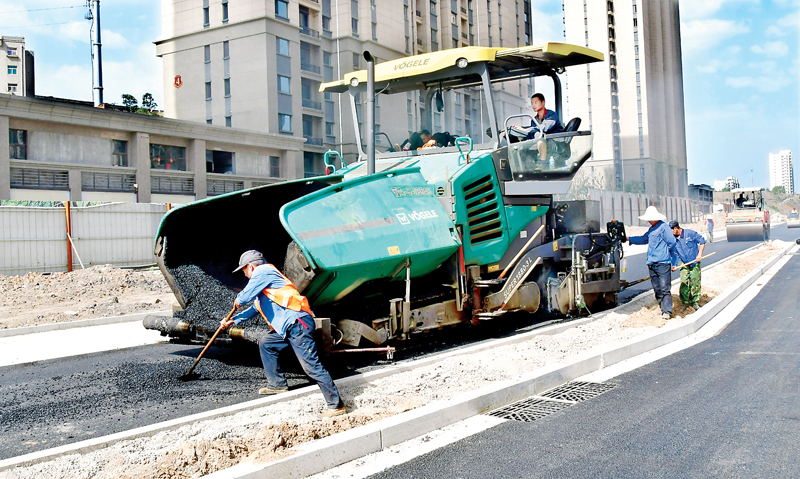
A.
x: 130, y: 102
x: 633, y: 186
x: 779, y: 190
x: 148, y: 103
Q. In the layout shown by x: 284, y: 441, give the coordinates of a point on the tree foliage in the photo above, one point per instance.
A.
x: 779, y: 190
x: 130, y: 102
x: 632, y: 186
x: 148, y: 107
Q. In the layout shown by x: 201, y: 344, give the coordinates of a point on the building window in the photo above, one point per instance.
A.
x: 375, y: 32
x: 308, y: 164
x: 209, y: 121
x: 12, y: 69
x: 224, y: 11
x: 165, y: 157
x: 227, y: 83
x: 219, y: 162
x: 208, y: 90
x: 284, y: 84
x: 226, y: 50
x: 329, y: 131
x: 12, y: 51
x: 12, y: 87
x: 17, y: 144
x: 356, y: 60
x: 205, y: 17
x: 284, y: 122
x: 108, y: 182
x: 207, y: 53
x: 274, y: 167
x: 326, y: 59
x: 228, y: 122
x: 354, y: 25
x: 283, y: 46
x: 119, y: 153
x: 282, y: 9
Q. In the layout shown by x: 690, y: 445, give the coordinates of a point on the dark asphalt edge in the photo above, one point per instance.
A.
x: 94, y: 444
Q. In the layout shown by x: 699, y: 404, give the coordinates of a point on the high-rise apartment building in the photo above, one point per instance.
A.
x: 16, y: 76
x: 258, y: 65
x: 633, y: 101
x: 781, y: 171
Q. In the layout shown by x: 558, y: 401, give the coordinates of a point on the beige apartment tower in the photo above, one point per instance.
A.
x: 633, y: 101
x: 258, y: 65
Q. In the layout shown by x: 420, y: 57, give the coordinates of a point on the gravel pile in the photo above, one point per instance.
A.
x: 81, y: 294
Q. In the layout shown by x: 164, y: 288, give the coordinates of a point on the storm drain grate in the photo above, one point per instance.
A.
x: 577, y: 391
x: 529, y: 410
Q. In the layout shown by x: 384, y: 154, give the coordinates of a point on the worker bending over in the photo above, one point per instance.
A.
x: 689, y: 247
x: 660, y: 246
x: 291, y: 320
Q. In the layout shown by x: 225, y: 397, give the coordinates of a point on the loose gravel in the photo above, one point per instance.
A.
x: 268, y: 433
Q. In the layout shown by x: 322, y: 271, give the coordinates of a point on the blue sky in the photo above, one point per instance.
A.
x: 740, y: 66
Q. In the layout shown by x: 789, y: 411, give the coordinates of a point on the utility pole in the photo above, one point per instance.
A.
x: 99, y: 58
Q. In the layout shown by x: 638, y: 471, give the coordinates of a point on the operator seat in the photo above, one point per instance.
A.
x: 573, y: 125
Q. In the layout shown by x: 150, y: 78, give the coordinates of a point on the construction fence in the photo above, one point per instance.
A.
x: 38, y: 238
x: 627, y: 207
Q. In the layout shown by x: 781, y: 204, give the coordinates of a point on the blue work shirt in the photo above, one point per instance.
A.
x: 660, y: 243
x: 548, y: 124
x: 687, y: 247
x: 267, y: 276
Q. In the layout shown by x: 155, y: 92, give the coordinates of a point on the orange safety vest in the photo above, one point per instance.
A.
x: 287, y: 297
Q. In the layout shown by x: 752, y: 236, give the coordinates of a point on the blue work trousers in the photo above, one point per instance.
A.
x: 661, y: 279
x: 301, y: 338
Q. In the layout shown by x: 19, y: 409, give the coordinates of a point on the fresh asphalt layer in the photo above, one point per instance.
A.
x: 54, y: 403
x: 726, y: 407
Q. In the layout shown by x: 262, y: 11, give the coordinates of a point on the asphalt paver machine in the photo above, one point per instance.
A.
x: 434, y: 237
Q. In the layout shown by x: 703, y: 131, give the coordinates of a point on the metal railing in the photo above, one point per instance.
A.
x: 314, y: 105
x: 309, y: 68
x: 312, y: 140
x: 309, y: 32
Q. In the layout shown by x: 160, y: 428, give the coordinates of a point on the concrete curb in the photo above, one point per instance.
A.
x: 317, y: 456
x: 421, y: 420
x: 81, y: 323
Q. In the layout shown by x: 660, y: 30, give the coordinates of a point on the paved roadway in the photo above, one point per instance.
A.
x: 727, y: 407
x: 57, y: 402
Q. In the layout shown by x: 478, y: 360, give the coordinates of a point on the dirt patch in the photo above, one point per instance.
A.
x: 274, y: 431
x: 94, y: 292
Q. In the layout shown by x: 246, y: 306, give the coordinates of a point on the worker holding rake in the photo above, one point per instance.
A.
x: 289, y: 316
x: 689, y: 249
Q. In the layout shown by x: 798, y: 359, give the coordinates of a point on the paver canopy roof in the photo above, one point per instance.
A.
x: 454, y: 68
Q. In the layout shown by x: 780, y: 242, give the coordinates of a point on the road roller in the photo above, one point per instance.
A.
x: 748, y: 219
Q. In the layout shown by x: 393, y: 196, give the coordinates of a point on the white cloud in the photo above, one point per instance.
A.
x: 790, y: 21
x: 702, y: 34
x: 725, y: 61
x: 114, y: 40
x: 771, y: 49
x: 775, y: 31
x: 706, y: 8
x: 767, y: 84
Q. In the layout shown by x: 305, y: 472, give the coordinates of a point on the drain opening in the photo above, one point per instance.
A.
x: 577, y: 391
x: 529, y: 410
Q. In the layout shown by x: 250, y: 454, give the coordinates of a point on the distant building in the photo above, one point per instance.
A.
x: 729, y: 183
x: 633, y: 101
x: 68, y: 151
x: 16, y: 76
x: 704, y: 195
x: 781, y: 171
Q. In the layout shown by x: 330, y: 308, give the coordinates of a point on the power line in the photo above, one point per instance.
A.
x: 43, y: 9
x: 40, y: 25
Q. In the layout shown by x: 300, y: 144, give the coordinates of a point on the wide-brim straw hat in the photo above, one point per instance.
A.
x: 652, y: 214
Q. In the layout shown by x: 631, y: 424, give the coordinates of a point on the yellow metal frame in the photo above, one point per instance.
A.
x: 414, y: 71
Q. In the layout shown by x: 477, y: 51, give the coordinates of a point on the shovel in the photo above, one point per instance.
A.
x: 629, y: 284
x: 189, y: 376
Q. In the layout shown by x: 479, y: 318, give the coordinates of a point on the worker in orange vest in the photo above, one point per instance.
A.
x: 289, y: 316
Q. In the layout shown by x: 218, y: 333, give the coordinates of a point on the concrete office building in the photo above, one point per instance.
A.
x: 781, y: 170
x: 72, y: 151
x: 16, y: 76
x: 258, y: 65
x: 633, y: 101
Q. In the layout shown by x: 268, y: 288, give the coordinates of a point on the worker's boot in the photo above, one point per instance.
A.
x: 665, y: 315
x: 272, y: 391
x: 340, y: 411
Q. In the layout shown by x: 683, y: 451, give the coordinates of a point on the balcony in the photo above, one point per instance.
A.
x: 309, y: 32
x: 311, y: 104
x: 308, y: 67
x: 312, y: 140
